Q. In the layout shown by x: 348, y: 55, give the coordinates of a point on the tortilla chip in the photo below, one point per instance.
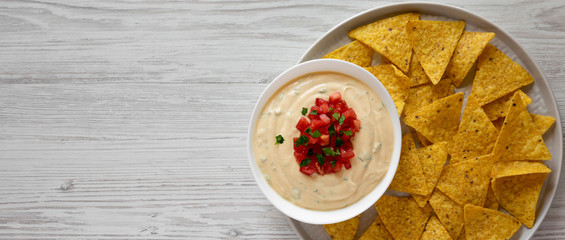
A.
x: 519, y: 195
x: 468, y: 49
x: 467, y: 181
x: 498, y: 107
x: 395, y: 82
x: 543, y: 123
x: 434, y: 43
x: 434, y: 230
x: 385, y: 60
x: 432, y: 159
x: 377, y: 230
x: 476, y: 135
x: 409, y: 176
x: 425, y: 94
x: 355, y: 52
x: 498, y: 123
x: 449, y: 213
x: 423, y: 141
x: 491, y: 202
x: 496, y: 76
x: 514, y: 168
x: 416, y: 72
x: 462, y: 235
x: 389, y: 38
x: 519, y: 139
x: 343, y: 230
x: 439, y: 120
x: 483, y: 223
x: 402, y: 216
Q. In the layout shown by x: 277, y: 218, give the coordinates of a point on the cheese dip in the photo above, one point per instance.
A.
x: 373, y: 144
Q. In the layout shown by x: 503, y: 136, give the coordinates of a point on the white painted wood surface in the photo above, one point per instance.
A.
x: 128, y: 119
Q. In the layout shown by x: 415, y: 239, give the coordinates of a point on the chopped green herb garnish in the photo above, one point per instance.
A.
x: 341, y: 120
x: 320, y: 158
x: 331, y: 109
x: 310, y: 152
x: 314, y: 112
x: 331, y: 130
x: 330, y: 152
x: 279, y: 139
x: 304, y: 111
x: 305, y: 162
x: 335, y: 116
x: 316, y: 134
x: 333, y: 163
x: 338, y: 142
x: 346, y: 133
x: 302, y: 140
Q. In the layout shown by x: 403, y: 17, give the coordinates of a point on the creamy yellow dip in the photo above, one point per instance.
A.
x: 373, y: 144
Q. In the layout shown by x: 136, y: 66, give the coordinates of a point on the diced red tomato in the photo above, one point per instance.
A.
x: 302, y: 124
x: 322, y: 130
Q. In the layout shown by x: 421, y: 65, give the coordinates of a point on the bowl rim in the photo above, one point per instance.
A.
x: 342, y: 214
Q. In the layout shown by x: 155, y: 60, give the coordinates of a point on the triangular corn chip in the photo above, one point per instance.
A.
x: 483, y: 223
x: 402, y: 216
x: 491, y: 202
x: 409, y: 176
x: 466, y: 53
x: 377, y: 230
x: 434, y: 43
x: 439, y: 120
x: 425, y: 94
x: 355, y: 52
x: 519, y: 139
x: 515, y: 168
x: 434, y: 230
x: 343, y: 230
x: 543, y: 123
x: 496, y: 76
x: 389, y: 38
x: 395, y: 82
x: 467, y: 181
x: 449, y: 213
x: 432, y: 159
x: 519, y: 195
x: 476, y: 135
x: 498, y: 107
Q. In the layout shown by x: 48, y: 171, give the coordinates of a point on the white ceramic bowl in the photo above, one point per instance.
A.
x: 338, y: 215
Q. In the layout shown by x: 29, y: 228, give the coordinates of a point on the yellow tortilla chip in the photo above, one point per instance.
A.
x: 491, y: 202
x: 355, y: 52
x: 425, y: 94
x: 462, y: 235
x: 409, y: 176
x: 423, y: 141
x: 402, y: 216
x: 434, y: 230
x: 543, y: 123
x: 377, y: 230
x: 395, y: 82
x: 343, y: 230
x: 432, y: 159
x: 514, y: 168
x: 496, y: 76
x: 519, y: 195
x: 434, y: 43
x: 439, y: 120
x: 449, y: 213
x: 389, y: 38
x: 483, y: 223
x: 385, y: 60
x: 519, y: 139
x: 416, y: 72
x: 467, y: 181
x: 476, y: 135
x: 466, y: 53
x: 498, y: 107
x: 498, y: 123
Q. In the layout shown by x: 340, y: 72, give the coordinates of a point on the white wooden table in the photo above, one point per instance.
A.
x: 127, y: 119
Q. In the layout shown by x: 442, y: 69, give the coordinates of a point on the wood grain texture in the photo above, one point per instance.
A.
x: 128, y: 119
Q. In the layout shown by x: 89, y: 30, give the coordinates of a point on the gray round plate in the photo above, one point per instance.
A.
x: 543, y: 100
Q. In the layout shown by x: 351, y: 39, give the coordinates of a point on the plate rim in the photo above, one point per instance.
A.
x: 501, y: 34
